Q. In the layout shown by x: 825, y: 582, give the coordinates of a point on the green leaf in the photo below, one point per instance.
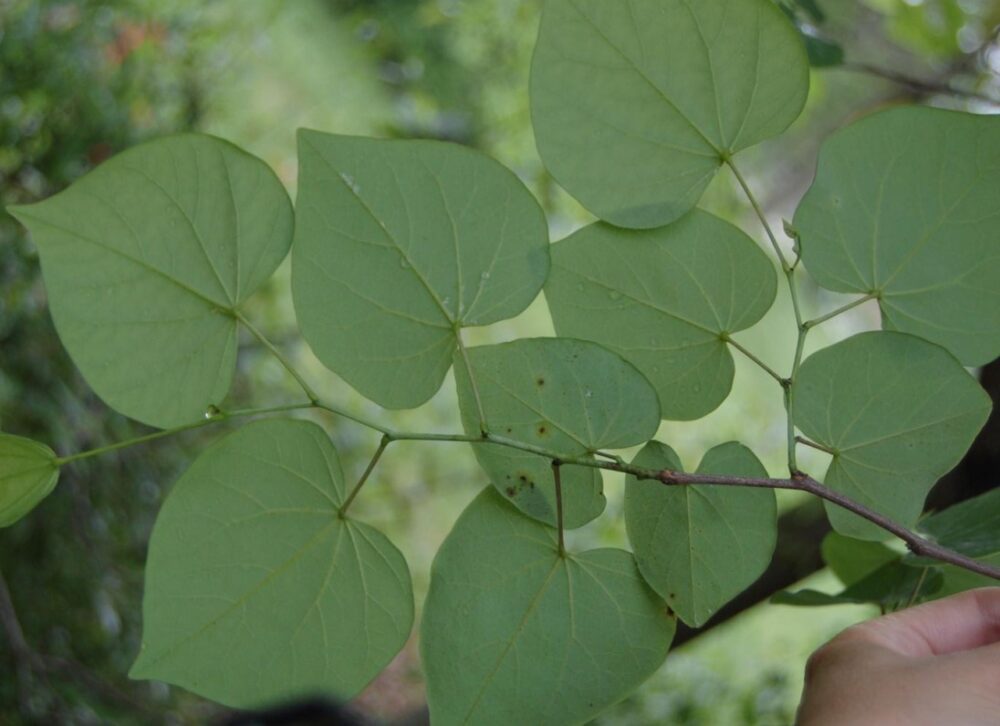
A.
x: 823, y: 53
x: 568, y: 396
x: 898, y: 413
x: 971, y: 528
x: 257, y: 589
x: 906, y: 205
x: 853, y: 559
x: 514, y: 633
x: 636, y: 104
x: 699, y: 546
x: 28, y: 473
x: 812, y: 9
x: 891, y: 587
x: 146, y: 258
x: 398, y: 244
x: 664, y: 300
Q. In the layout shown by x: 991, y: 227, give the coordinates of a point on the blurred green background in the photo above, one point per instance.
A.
x: 82, y: 80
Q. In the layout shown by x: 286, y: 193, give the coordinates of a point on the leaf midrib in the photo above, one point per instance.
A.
x: 212, y: 304
x: 532, y: 606
x: 280, y: 570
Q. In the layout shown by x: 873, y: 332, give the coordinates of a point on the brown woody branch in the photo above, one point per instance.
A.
x: 804, y: 483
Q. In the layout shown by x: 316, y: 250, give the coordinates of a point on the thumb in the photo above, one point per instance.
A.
x: 957, y: 623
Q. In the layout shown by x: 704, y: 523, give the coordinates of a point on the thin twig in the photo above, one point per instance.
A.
x: 760, y: 214
x: 917, y: 84
x: 841, y: 310
x: 210, y: 419
x: 804, y: 483
x: 798, y: 482
x: 280, y: 356
x: 813, y: 445
x: 789, y: 270
x: 472, y: 380
x: 386, y: 440
x: 753, y: 358
x: 613, y: 457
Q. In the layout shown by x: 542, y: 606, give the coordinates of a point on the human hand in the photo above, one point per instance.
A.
x: 935, y: 664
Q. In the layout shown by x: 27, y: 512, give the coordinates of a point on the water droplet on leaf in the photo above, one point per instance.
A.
x: 349, y: 181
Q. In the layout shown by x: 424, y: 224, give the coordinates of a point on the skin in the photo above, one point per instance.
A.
x: 935, y: 664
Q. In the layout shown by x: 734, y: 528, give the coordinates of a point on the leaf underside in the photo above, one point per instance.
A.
x: 399, y: 244
x: 635, y: 104
x: 146, y: 258
x: 513, y: 633
x: 256, y: 589
x: 906, y: 204
x: 700, y: 546
x: 664, y: 300
x: 898, y: 411
x: 569, y: 396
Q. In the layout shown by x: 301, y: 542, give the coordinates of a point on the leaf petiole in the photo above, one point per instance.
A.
x: 210, y: 418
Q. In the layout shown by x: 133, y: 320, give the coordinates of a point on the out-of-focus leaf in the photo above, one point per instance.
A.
x: 823, y: 53
x: 891, y: 587
x: 853, y: 559
x: 972, y: 528
x: 28, y: 474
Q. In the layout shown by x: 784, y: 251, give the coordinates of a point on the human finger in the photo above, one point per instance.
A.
x: 961, y: 622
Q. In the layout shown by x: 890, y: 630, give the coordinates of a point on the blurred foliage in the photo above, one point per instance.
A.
x: 78, y: 82
x: 82, y: 79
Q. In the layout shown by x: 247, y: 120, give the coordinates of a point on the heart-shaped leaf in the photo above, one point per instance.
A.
x: 515, y: 633
x: 898, y: 413
x: 145, y: 260
x: 906, y: 206
x: 665, y: 300
x: 399, y: 244
x: 28, y: 473
x: 257, y: 589
x: 636, y: 104
x: 568, y: 396
x: 699, y: 546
